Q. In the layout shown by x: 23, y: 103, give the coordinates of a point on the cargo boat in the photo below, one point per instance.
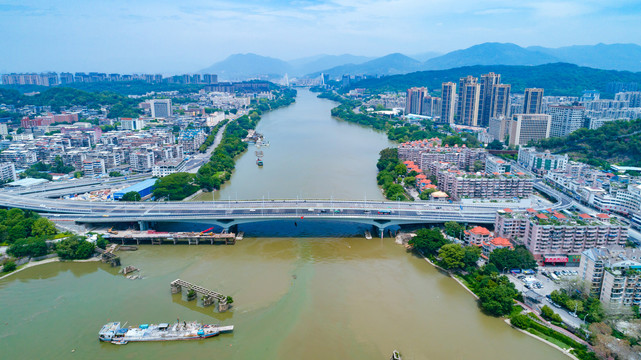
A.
x: 114, y: 333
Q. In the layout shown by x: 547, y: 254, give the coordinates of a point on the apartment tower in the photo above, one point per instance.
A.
x: 532, y: 101
x: 414, y: 100
x: 468, y: 101
x: 448, y: 92
x: 488, y: 82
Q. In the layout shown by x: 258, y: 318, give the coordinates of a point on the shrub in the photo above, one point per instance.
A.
x: 9, y: 266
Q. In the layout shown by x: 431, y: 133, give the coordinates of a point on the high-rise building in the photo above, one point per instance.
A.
x: 160, y: 108
x: 414, y: 100
x: 468, y: 101
x: 431, y: 106
x: 448, y: 91
x: 566, y: 119
x: 488, y: 82
x: 500, y: 101
x: 527, y: 127
x: 499, y: 128
x: 532, y: 101
x: 210, y: 78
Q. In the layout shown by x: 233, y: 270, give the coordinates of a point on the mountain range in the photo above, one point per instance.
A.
x: 601, y: 56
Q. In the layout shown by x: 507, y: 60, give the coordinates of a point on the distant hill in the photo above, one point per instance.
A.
x: 425, y: 56
x: 556, y: 79
x: 600, y: 56
x: 488, y: 54
x: 244, y: 66
x: 625, y: 57
x: 320, y: 62
x: 387, y: 65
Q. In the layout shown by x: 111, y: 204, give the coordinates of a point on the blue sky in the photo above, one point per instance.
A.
x: 185, y: 36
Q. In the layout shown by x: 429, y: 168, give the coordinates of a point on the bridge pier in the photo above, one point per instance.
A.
x: 222, y: 306
x: 175, y: 288
x: 207, y: 300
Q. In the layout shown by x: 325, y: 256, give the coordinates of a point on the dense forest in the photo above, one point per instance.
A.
x: 556, y: 79
x: 617, y: 142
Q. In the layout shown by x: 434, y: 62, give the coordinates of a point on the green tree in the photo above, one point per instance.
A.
x: 497, y: 297
x: 32, y: 247
x: 114, y: 174
x: 454, y: 229
x: 520, y: 321
x: 131, y: 196
x: 175, y: 186
x: 549, y: 314
x: 519, y: 258
x: 9, y: 266
x: 495, y: 145
x: 428, y: 241
x: 451, y: 256
x: 471, y: 256
x: 409, y: 181
x: 478, y: 166
x: 400, y: 169
x: 43, y: 227
x: 101, y: 242
x: 74, y: 247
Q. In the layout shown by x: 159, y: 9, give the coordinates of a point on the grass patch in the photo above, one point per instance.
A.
x: 554, y: 341
x: 516, y: 309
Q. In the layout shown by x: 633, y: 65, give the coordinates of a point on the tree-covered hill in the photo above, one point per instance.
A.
x: 65, y: 97
x: 556, y: 79
x: 617, y: 142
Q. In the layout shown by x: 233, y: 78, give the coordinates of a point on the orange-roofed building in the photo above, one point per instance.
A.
x: 476, y: 236
x: 496, y: 243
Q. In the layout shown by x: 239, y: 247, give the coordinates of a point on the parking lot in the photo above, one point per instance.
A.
x: 544, y: 283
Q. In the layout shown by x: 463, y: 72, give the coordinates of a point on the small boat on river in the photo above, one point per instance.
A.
x: 113, y: 333
x: 259, y: 162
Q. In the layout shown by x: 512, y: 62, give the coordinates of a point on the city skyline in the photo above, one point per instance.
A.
x: 162, y: 37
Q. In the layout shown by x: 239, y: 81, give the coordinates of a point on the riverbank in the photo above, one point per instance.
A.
x: 564, y: 351
x: 32, y: 263
x: 507, y: 320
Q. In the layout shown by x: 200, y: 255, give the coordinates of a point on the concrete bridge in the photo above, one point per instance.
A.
x: 379, y: 214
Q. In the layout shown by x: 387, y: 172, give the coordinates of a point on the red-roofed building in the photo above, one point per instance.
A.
x: 476, y: 236
x: 496, y: 243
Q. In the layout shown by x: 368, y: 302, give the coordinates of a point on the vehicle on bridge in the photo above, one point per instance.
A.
x: 384, y: 212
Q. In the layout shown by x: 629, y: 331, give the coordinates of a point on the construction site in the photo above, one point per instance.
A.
x: 154, y: 237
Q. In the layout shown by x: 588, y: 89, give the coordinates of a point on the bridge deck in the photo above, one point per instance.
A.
x: 199, y: 289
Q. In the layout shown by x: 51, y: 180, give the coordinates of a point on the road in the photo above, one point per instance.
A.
x: 198, y: 159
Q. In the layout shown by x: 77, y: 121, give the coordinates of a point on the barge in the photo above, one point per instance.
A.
x: 115, y: 334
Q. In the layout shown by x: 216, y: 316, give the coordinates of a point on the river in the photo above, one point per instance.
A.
x: 303, y: 297
x: 311, y: 155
